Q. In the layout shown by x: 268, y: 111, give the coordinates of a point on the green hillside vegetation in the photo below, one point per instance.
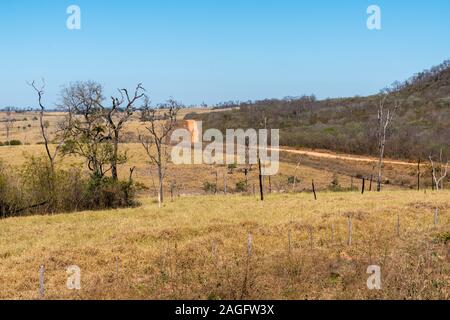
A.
x: 421, y: 125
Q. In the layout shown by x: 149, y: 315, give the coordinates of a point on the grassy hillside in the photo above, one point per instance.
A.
x: 197, y: 248
x: 421, y: 125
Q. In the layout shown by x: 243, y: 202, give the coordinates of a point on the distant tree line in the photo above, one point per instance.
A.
x: 421, y: 125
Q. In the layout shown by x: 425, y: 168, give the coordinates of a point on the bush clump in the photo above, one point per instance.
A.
x: 209, y: 187
x: 335, y: 186
x: 11, y: 143
x: 37, y: 189
x: 241, y: 186
x: 293, y: 180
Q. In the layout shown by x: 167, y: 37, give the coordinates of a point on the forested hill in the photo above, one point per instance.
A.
x: 421, y: 125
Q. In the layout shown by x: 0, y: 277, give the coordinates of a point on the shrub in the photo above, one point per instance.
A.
x: 104, y: 192
x: 232, y: 167
x: 241, y: 186
x: 443, y: 237
x: 9, y: 193
x: 209, y: 187
x: 292, y: 180
x: 334, y: 184
x: 13, y: 143
x: 38, y: 184
x: 35, y: 189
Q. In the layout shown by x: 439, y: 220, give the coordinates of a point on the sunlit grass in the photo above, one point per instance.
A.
x: 196, y: 247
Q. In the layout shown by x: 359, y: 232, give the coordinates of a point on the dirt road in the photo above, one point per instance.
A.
x: 318, y: 154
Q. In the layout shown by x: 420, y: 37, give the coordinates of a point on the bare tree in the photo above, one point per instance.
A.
x: 117, y: 115
x: 439, y: 170
x: 85, y: 126
x: 384, y: 120
x: 159, y: 124
x: 51, y: 155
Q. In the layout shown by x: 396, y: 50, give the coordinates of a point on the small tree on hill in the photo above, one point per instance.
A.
x: 439, y: 170
x: 159, y: 124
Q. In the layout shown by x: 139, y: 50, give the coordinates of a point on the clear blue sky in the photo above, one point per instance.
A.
x: 219, y: 50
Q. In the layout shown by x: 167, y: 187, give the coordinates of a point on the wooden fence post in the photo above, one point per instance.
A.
x: 314, y: 190
x: 260, y: 181
x: 159, y: 199
x: 225, y: 183
x: 246, y: 176
x: 418, y: 175
x: 363, y: 185
x: 270, y: 184
x: 432, y: 180
x: 350, y: 231
x: 41, y: 281
x: 371, y: 181
x: 249, y: 245
x: 117, y: 267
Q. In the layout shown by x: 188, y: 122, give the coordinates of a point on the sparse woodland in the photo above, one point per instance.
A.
x: 92, y: 131
x: 148, y: 229
x: 420, y: 127
x: 408, y: 120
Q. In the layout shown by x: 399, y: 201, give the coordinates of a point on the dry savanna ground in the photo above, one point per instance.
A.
x: 198, y: 248
x: 191, y: 179
x: 26, y: 128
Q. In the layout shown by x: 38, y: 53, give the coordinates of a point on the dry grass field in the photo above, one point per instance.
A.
x: 197, y: 248
x: 25, y: 126
x: 190, y: 179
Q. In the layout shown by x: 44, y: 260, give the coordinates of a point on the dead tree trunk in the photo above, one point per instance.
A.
x: 383, y: 122
x: 159, y: 128
x: 439, y: 171
x: 51, y: 156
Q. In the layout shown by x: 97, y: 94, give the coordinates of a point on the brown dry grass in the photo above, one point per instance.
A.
x: 26, y: 125
x: 196, y: 248
x: 190, y: 178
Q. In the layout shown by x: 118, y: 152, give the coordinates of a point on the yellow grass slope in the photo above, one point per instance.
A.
x: 197, y: 248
